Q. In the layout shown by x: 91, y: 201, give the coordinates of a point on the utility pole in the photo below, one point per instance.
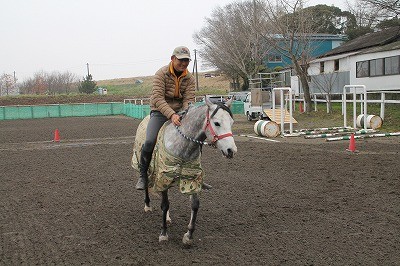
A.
x: 255, y: 36
x: 87, y: 65
x: 15, y: 79
x: 195, y: 69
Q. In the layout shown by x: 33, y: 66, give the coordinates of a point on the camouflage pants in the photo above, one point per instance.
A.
x: 166, y: 170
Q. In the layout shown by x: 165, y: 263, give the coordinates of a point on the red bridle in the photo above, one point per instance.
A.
x: 210, y: 128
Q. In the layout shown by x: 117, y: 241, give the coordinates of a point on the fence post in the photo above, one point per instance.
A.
x: 328, y: 103
x: 382, y: 114
x: 315, y: 102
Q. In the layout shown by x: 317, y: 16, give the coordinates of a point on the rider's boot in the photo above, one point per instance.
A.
x: 145, y: 158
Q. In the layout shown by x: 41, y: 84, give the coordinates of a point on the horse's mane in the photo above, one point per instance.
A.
x: 219, y: 105
x: 222, y: 106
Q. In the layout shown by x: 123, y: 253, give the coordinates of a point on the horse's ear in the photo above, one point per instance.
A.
x: 207, y: 100
x: 229, y: 102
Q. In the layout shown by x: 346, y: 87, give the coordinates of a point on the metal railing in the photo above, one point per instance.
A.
x: 382, y: 101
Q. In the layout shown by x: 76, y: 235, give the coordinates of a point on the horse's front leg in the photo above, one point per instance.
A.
x: 188, y: 237
x: 164, y: 207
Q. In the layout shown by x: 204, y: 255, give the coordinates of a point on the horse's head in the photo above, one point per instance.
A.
x: 218, y: 127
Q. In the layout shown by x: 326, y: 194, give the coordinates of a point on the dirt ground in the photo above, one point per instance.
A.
x: 292, y: 202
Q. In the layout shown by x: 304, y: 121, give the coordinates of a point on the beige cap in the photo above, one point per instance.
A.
x: 181, y: 52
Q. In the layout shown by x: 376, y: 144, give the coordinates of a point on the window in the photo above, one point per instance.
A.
x: 362, y: 69
x: 274, y: 58
x: 321, y: 67
x: 336, y: 65
x: 376, y: 67
x: 392, y: 65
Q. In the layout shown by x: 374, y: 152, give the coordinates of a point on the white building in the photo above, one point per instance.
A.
x: 372, y: 60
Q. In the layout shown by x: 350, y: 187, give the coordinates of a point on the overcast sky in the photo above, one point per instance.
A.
x: 118, y: 38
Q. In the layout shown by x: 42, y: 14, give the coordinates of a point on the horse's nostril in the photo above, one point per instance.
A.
x: 230, y: 153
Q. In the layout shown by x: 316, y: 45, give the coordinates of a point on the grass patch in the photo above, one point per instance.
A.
x: 321, y: 118
x: 142, y: 86
x: 132, y: 90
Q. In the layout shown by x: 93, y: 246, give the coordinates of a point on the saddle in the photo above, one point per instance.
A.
x: 166, y: 170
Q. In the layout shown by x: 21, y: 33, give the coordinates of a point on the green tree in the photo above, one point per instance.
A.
x: 389, y: 23
x: 87, y: 85
x: 357, y: 32
x: 329, y: 19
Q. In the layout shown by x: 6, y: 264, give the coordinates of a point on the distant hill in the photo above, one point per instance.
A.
x: 117, y: 91
x: 141, y: 86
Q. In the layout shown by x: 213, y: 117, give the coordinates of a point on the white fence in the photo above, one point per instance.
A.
x: 382, y: 101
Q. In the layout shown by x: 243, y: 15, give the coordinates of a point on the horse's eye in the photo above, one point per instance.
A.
x: 217, y: 124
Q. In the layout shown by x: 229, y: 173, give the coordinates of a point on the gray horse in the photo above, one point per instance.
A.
x: 177, y: 156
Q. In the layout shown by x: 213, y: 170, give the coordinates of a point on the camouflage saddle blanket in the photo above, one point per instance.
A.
x: 166, y: 170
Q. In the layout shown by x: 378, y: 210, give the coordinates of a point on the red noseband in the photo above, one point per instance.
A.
x: 210, y: 128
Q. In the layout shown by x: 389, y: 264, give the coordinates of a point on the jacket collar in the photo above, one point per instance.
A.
x: 185, y: 73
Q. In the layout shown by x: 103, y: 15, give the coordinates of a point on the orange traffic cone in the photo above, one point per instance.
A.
x: 301, y: 110
x: 352, y: 144
x: 56, y: 136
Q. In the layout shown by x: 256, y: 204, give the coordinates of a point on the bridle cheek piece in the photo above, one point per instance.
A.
x: 215, y: 136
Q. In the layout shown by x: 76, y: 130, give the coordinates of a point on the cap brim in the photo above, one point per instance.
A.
x: 183, y: 57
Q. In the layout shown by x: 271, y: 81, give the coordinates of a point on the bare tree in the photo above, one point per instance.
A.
x: 8, y: 85
x: 367, y: 16
x: 392, y: 7
x: 50, y: 83
x: 69, y: 82
x: 229, y: 41
x: 325, y: 83
x: 26, y: 87
x: 40, y: 84
x: 289, y: 33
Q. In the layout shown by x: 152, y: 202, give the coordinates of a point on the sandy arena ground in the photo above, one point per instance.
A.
x: 292, y: 202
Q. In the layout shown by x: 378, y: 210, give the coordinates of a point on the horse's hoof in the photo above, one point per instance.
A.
x: 148, y: 209
x: 169, y: 221
x: 186, y: 240
x: 162, y: 238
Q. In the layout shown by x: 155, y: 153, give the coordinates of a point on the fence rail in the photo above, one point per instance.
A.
x: 60, y: 110
x: 135, y: 108
x: 382, y: 101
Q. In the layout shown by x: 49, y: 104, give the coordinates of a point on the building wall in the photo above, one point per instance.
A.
x: 347, y: 64
x: 329, y: 63
x: 390, y: 82
x: 331, y: 83
x: 319, y: 46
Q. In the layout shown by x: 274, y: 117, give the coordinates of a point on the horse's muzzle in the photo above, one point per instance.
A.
x: 228, y: 154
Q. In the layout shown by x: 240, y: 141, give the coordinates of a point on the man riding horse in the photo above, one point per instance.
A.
x: 173, y: 90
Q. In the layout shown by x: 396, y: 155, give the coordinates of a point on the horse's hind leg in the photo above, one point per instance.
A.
x: 147, y: 207
x: 164, y: 208
x: 188, y: 237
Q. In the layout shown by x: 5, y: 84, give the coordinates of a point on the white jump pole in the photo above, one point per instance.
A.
x: 281, y: 90
x: 382, y: 114
x: 363, y: 102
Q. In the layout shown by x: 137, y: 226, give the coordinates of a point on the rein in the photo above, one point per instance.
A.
x: 192, y: 139
x: 210, y: 128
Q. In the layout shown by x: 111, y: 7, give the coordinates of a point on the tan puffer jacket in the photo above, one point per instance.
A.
x: 170, y: 94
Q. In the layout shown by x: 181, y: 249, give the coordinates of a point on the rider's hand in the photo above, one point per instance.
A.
x: 176, y: 119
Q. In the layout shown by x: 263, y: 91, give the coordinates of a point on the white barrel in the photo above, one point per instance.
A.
x: 373, y: 121
x: 265, y: 128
